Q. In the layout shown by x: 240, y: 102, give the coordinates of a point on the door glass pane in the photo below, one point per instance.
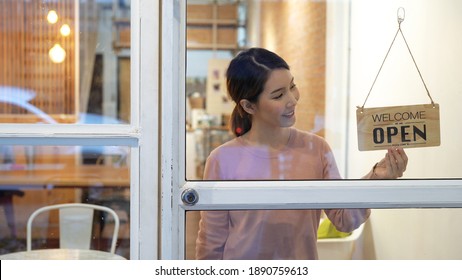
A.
x: 65, y: 62
x: 334, y: 50
x: 35, y: 176
x: 388, y: 234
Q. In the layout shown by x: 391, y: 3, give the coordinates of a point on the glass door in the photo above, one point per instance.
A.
x: 334, y: 49
x: 66, y: 137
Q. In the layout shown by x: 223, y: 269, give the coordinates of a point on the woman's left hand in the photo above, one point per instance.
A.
x: 392, y: 166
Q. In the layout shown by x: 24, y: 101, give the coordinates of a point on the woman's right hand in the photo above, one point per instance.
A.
x: 392, y: 166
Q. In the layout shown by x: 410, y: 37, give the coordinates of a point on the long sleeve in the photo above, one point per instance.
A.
x: 347, y: 220
x: 270, y: 234
x: 213, y: 225
x: 344, y: 220
x: 212, y: 235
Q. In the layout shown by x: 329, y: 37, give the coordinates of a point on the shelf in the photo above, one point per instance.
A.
x: 212, y: 47
x: 121, y: 21
x: 213, y: 26
x: 211, y: 22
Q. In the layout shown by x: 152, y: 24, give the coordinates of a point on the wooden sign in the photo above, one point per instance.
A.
x: 400, y: 126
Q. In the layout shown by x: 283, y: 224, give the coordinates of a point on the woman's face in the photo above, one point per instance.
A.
x: 275, y: 106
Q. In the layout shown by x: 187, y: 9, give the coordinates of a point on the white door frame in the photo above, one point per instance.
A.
x: 145, y: 79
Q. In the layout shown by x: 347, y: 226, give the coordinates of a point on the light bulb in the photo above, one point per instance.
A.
x: 52, y: 17
x: 57, y: 53
x: 65, y: 30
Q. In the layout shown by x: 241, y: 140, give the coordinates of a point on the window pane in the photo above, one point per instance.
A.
x: 36, y: 176
x: 390, y: 234
x: 65, y: 62
x: 334, y: 62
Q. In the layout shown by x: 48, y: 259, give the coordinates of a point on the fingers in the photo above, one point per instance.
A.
x: 404, y: 156
x: 389, y: 166
x: 401, y: 158
x: 397, y: 160
x: 392, y: 166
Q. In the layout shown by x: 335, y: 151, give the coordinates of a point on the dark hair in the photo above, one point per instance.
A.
x: 245, y: 79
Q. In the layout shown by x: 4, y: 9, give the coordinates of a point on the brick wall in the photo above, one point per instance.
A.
x: 296, y: 30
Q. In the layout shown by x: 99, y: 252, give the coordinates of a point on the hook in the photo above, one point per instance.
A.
x: 401, y: 14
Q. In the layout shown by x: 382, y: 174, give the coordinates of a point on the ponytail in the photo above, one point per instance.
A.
x: 240, y: 121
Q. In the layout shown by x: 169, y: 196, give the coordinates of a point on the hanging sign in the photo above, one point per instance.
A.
x: 399, y: 126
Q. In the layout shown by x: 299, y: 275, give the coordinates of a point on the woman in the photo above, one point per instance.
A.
x: 266, y: 147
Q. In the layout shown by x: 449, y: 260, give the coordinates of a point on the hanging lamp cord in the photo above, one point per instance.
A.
x: 401, y: 16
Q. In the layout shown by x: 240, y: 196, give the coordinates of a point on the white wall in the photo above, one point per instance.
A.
x: 337, y: 69
x: 432, y: 30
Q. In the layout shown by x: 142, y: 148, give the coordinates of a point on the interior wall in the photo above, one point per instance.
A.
x: 301, y: 42
x: 431, y: 29
x: 432, y: 32
x: 337, y: 69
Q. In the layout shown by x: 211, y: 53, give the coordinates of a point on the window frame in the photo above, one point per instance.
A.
x: 141, y: 135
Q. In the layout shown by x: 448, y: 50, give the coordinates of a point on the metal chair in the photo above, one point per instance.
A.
x: 75, y: 224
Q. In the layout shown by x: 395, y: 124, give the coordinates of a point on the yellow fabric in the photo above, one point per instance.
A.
x: 327, y: 230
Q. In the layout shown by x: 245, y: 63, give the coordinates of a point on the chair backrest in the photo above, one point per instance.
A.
x: 75, y: 224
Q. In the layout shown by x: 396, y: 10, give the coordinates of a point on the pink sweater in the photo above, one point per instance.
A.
x: 270, y: 234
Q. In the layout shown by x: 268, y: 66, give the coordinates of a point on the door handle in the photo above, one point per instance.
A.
x: 189, y: 197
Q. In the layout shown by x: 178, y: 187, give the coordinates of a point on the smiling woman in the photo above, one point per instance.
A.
x: 261, y: 85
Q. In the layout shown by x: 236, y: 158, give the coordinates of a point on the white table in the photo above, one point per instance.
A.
x: 61, y: 254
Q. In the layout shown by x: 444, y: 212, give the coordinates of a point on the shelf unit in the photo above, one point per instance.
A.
x: 213, y: 26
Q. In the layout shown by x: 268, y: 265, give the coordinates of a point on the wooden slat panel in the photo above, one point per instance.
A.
x: 25, y: 39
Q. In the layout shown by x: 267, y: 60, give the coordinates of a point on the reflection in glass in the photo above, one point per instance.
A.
x: 35, y: 176
x: 52, y: 17
x: 388, y: 234
x: 57, y: 53
x: 44, y: 78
